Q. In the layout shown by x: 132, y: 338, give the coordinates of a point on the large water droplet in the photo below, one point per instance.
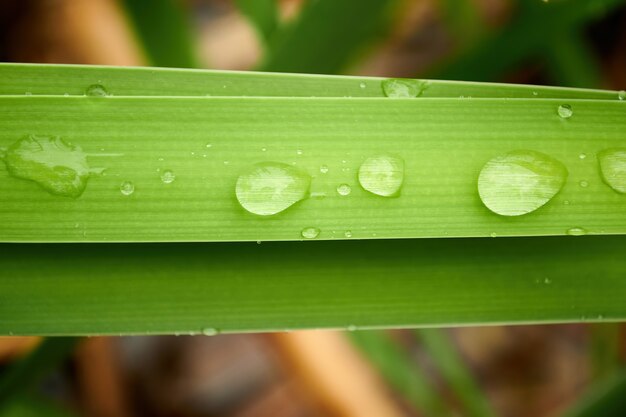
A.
x: 168, y: 176
x: 403, y: 88
x: 96, y: 90
x: 382, y: 175
x: 344, y: 189
x: 58, y: 167
x: 271, y: 187
x: 613, y: 168
x: 310, y: 232
x: 565, y: 111
x: 520, y: 182
x: 127, y: 188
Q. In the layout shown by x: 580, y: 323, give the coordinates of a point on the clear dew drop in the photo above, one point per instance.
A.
x: 168, y: 176
x: 210, y: 331
x: 403, y: 88
x: 348, y: 234
x: 58, y: 167
x: 493, y: 234
x: 344, y: 189
x: 582, y: 156
x: 565, y: 111
x: 208, y: 145
x: 576, y: 231
x: 613, y: 168
x: 584, y: 184
x: 324, y: 169
x: 127, y: 188
x: 268, y: 188
x: 621, y: 95
x: 382, y: 175
x: 519, y: 182
x: 310, y: 232
x: 362, y: 85
x: 96, y: 90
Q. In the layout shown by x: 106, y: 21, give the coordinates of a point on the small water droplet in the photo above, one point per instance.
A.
x: 226, y: 162
x: 348, y: 234
x: 96, y: 90
x: 493, y: 234
x: 210, y: 331
x: 566, y: 202
x: 352, y: 328
x: 583, y: 184
x: 268, y: 188
x: 209, y: 145
x: 382, y: 175
x: 519, y: 182
x: 299, y: 151
x: 535, y: 93
x: 547, y: 281
x: 310, y: 232
x: 565, y: 111
x: 613, y: 168
x: 576, y: 231
x: 621, y: 95
x: 344, y: 189
x: 28, y: 93
x: 168, y: 176
x: 324, y: 169
x: 161, y: 159
x: 127, y: 188
x: 362, y: 85
x: 582, y: 156
x: 403, y: 88
x: 57, y: 166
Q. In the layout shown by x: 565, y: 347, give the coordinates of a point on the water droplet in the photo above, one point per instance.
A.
x: 583, y: 184
x: 226, y: 162
x: 582, y: 156
x: 547, y: 281
x: 352, y: 328
x: 324, y: 169
x: 566, y: 202
x: 362, y: 85
x: 565, y: 111
x: 382, y: 175
x: 493, y: 234
x: 127, y: 188
x: 535, y: 93
x: 613, y: 168
x: 28, y: 93
x: 621, y: 95
x: 576, y: 231
x: 403, y: 88
x: 58, y: 167
x: 520, y: 182
x: 348, y: 234
x: 209, y: 145
x: 168, y: 176
x: 310, y: 232
x: 210, y: 331
x: 268, y: 188
x: 344, y: 189
x: 299, y: 151
x: 96, y: 90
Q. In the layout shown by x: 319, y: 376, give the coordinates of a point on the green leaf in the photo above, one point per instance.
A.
x: 20, y: 79
x: 188, y: 288
x: 163, y: 29
x: 606, y: 399
x: 263, y: 14
x: 326, y: 35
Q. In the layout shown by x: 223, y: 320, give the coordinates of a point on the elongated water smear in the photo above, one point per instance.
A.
x: 58, y: 167
x: 382, y: 175
x: 268, y: 188
x: 613, y: 168
x: 403, y: 88
x: 519, y: 182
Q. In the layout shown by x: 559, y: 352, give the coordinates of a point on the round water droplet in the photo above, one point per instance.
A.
x: 324, y: 169
x: 127, y: 188
x: 382, y: 175
x: 344, y: 189
x: 621, y: 95
x: 263, y: 149
x: 547, y: 281
x: 535, y: 93
x: 167, y: 176
x: 613, y: 168
x: 348, y: 234
x: 582, y: 156
x: 209, y: 145
x: 583, y: 184
x: 565, y: 111
x: 493, y: 234
x: 96, y: 90
x: 362, y: 85
x: 519, y: 182
x: 299, y: 151
x: 210, y: 331
x: 403, y: 88
x: 310, y: 232
x: 268, y: 188
x: 576, y: 231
